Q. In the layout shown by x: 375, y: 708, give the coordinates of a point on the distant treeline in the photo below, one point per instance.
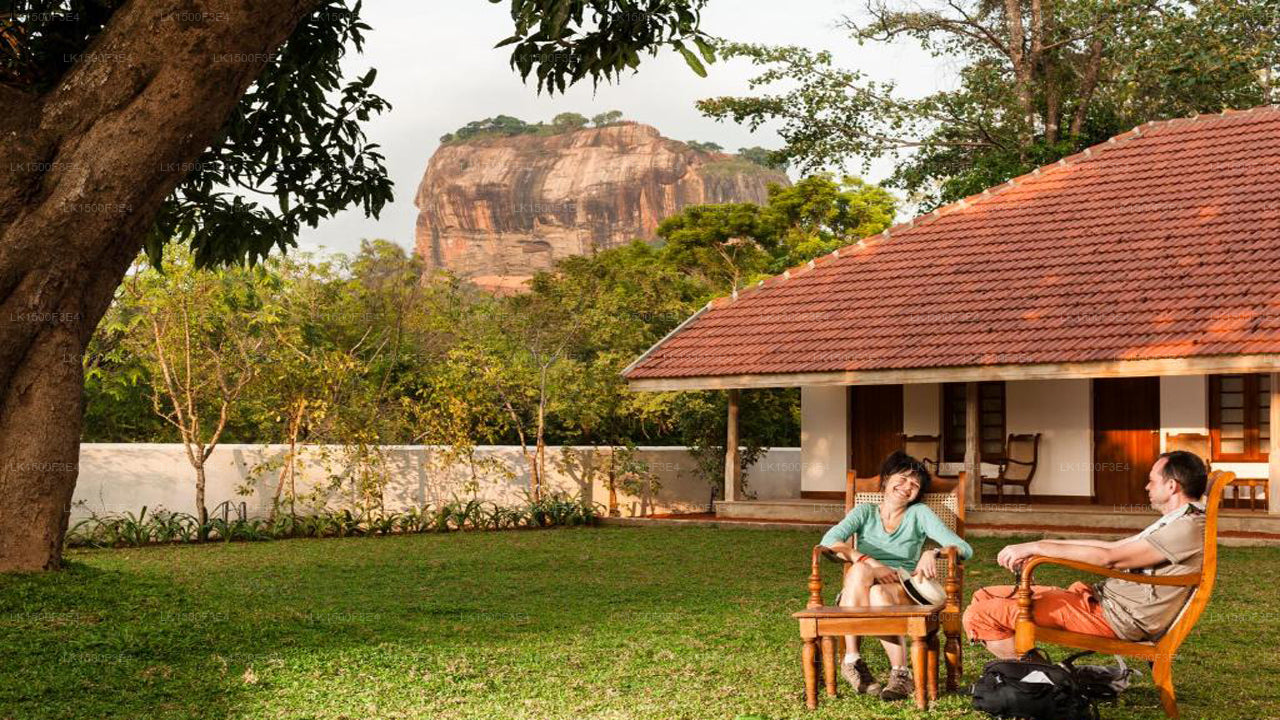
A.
x: 509, y: 126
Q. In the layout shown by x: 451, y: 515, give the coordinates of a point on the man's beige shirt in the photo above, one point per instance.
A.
x: 1144, y: 612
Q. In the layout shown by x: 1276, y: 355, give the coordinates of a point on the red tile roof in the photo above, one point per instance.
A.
x: 1162, y: 242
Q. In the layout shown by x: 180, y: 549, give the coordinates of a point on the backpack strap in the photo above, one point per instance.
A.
x: 1068, y: 662
x: 1036, y: 655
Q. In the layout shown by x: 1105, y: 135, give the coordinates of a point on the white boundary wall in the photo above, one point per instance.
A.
x: 125, y: 477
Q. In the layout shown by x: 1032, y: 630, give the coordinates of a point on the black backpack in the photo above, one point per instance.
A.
x: 1003, y: 691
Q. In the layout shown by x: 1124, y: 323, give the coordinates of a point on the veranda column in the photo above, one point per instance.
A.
x: 972, y: 446
x: 732, y: 465
x: 1273, y: 449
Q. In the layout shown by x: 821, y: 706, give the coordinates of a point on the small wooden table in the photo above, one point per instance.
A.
x: 825, y: 623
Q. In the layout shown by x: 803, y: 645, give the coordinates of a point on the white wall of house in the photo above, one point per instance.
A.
x: 1061, y: 410
x: 1183, y: 405
x: 1184, y: 408
x: 824, y: 437
x: 922, y: 409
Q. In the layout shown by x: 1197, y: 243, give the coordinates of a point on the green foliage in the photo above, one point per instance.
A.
x: 767, y: 418
x: 763, y: 157
x: 570, y: 121
x: 735, y: 244
x: 1082, y: 71
x: 350, y: 354
x: 708, y: 146
x: 115, y: 530
x: 294, y: 151
x: 497, y: 126
x: 818, y: 215
x: 606, y: 118
x: 40, y: 39
x: 295, y: 141
x: 560, y: 42
x: 508, y: 126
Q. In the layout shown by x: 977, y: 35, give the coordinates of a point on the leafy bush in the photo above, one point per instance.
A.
x: 163, y: 526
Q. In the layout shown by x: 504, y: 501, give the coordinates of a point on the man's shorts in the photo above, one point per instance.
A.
x: 993, y: 612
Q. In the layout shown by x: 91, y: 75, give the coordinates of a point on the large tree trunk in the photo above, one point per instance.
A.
x: 90, y: 163
x: 40, y: 417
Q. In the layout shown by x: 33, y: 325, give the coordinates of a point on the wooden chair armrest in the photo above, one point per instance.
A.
x: 815, y: 572
x: 1032, y: 563
x: 955, y: 578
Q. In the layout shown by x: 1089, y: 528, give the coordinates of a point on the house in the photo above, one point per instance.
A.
x: 1106, y: 301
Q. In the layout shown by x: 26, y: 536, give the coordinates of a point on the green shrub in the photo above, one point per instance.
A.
x: 163, y: 526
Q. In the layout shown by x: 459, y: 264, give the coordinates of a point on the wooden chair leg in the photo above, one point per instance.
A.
x: 931, y: 667
x: 955, y: 661
x: 918, y: 658
x: 1162, y: 678
x: 807, y: 652
x: 829, y: 664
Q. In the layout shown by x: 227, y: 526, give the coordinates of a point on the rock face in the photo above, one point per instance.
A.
x: 498, y: 209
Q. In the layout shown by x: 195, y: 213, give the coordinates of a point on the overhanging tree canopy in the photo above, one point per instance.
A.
x: 125, y: 124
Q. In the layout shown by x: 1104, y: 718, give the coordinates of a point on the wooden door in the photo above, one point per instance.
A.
x: 1126, y: 438
x: 875, y: 426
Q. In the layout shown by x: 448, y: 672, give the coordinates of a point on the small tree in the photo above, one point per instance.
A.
x: 618, y: 466
x: 606, y: 118
x: 198, y: 335
x: 763, y: 157
x: 569, y: 121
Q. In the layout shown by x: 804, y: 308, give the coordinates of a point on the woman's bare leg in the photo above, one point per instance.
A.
x: 855, y: 593
x: 894, y: 646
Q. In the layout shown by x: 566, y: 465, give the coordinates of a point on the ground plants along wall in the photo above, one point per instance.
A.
x: 230, y: 522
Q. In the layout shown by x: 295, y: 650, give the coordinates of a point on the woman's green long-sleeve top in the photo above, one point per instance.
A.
x: 900, y: 548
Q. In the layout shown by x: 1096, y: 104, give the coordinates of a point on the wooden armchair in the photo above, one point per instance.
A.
x: 925, y: 448
x: 1161, y: 652
x: 1018, y: 468
x: 949, y: 506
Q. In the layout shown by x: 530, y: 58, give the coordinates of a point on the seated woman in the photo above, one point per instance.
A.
x: 890, y: 536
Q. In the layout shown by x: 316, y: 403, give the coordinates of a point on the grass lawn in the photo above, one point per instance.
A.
x: 607, y: 622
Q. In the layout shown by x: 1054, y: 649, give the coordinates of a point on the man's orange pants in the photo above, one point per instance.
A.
x: 993, y: 612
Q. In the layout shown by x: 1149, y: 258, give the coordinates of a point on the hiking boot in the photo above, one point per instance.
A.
x: 900, y: 685
x: 860, y: 677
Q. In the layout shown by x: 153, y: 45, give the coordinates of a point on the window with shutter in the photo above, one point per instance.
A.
x: 991, y: 421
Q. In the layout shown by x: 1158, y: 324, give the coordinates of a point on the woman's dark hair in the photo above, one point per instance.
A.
x: 900, y: 462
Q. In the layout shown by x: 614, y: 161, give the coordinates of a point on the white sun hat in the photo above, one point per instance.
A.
x: 921, y: 589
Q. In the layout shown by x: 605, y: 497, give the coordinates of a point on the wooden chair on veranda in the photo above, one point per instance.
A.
x: 1018, y: 467
x: 926, y: 448
x: 1201, y: 445
x: 1161, y: 652
x: 948, y: 504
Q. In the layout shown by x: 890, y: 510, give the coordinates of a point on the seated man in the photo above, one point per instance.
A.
x: 1113, y: 608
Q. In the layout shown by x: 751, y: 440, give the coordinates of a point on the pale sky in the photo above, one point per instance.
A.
x: 438, y: 69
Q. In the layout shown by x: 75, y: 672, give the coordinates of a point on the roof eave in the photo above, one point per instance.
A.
x: 656, y: 345
x: 1195, y: 365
